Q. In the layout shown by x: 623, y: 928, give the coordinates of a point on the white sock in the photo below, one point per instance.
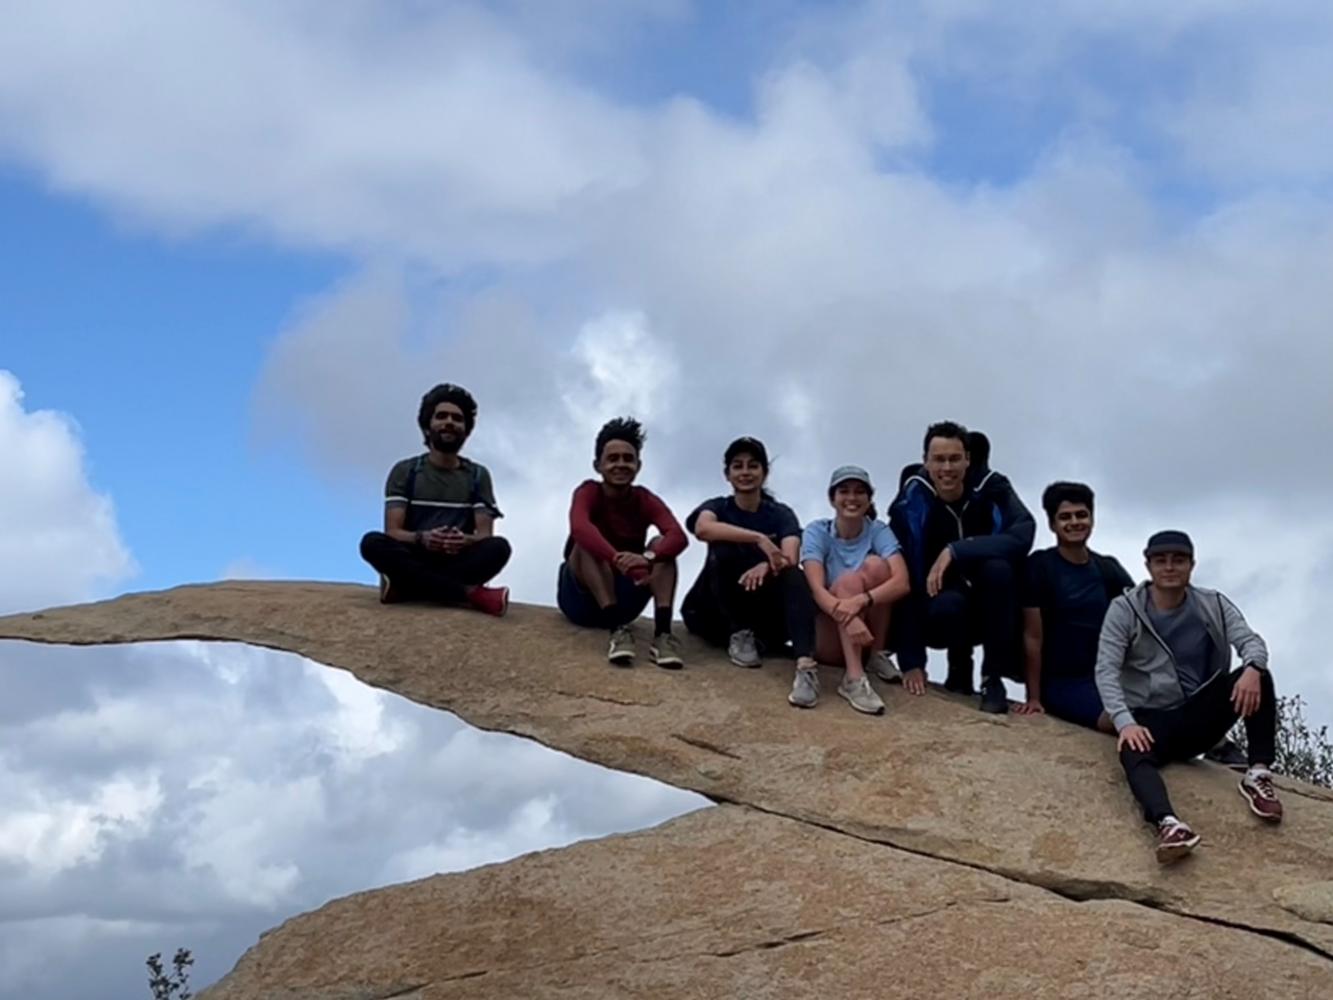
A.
x: 1258, y: 771
x: 1169, y: 820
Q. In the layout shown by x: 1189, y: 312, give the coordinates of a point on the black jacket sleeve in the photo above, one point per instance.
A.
x: 1014, y: 530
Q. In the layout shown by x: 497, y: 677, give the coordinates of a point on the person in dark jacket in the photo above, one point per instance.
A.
x: 964, y: 532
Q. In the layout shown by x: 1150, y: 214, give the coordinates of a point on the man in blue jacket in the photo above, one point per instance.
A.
x: 964, y: 533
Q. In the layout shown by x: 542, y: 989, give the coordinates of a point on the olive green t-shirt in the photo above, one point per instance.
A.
x: 441, y: 498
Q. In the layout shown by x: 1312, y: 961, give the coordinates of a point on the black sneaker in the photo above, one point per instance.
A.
x: 1229, y: 754
x: 993, y: 698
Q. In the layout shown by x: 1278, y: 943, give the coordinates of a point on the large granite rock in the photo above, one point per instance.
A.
x: 988, y: 840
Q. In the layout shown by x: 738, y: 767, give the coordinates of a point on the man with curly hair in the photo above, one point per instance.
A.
x: 438, y: 542
x: 611, y: 569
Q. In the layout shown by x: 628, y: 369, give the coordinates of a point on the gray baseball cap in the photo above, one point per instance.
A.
x: 844, y: 473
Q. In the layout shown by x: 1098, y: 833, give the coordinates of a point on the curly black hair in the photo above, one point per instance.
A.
x: 446, y: 392
x: 625, y: 429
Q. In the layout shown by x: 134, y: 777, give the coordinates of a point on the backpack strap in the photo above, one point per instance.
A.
x: 411, y: 489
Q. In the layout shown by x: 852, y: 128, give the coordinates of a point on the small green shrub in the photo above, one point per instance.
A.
x: 174, y: 985
x: 1302, y: 751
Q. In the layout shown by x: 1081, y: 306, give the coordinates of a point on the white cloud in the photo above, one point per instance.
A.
x: 265, y: 786
x: 59, y: 541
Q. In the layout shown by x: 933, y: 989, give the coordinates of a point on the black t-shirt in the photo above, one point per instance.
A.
x: 774, y: 519
x: 1073, y: 599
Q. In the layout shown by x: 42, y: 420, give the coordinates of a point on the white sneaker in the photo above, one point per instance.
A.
x: 861, y: 695
x: 881, y: 664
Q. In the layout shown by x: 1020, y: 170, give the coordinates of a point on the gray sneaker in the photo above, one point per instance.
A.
x: 621, y: 652
x: 881, y: 664
x: 742, y: 651
x: 805, y: 686
x: 861, y: 695
x: 665, y: 652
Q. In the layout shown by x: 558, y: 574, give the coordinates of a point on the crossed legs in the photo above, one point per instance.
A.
x: 866, y: 632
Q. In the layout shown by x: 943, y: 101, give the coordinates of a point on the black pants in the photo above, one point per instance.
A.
x: 1191, y: 728
x: 780, y: 610
x: 979, y: 604
x: 421, y: 575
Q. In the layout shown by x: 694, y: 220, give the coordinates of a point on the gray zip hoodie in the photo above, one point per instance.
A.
x: 1135, y: 667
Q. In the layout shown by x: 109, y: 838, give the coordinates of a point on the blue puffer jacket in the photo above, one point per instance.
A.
x: 991, y: 522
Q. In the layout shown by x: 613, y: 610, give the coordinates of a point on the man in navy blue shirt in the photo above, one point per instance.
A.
x: 1067, y: 589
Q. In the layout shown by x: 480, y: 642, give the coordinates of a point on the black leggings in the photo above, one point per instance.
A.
x: 780, y: 610
x: 419, y: 574
x: 1191, y: 728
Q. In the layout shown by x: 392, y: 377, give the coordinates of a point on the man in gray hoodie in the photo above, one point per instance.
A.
x: 1165, y: 678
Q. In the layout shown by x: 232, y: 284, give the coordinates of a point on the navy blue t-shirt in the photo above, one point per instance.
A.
x: 1073, y: 599
x: 773, y: 518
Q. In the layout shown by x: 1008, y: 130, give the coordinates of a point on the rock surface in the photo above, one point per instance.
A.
x: 1008, y: 849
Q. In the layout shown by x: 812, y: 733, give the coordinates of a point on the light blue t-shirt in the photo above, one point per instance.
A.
x: 844, y: 555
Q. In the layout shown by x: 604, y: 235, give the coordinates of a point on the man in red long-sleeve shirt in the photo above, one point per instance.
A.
x: 611, y: 570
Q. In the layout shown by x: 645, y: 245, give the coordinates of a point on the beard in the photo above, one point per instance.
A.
x: 446, y: 443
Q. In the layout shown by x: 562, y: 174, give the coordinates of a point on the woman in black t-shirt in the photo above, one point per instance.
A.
x: 751, y: 594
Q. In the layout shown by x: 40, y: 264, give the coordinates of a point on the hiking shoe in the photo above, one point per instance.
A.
x: 993, y: 698
x: 621, y: 651
x: 1257, y: 787
x: 1229, y: 754
x: 861, y: 695
x: 1175, y: 839
x: 665, y: 651
x: 388, y: 593
x: 881, y: 664
x: 742, y: 651
x: 805, y: 686
x: 491, y: 600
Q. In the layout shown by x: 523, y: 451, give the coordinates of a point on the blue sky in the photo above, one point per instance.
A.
x: 152, y: 344
x: 242, y: 240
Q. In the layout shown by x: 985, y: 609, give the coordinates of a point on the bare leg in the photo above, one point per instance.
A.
x: 858, y: 635
x: 597, y: 576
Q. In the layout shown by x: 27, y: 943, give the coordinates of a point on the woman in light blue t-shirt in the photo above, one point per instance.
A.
x: 855, y: 571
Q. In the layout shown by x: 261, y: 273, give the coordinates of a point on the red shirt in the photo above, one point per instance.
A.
x: 603, y: 525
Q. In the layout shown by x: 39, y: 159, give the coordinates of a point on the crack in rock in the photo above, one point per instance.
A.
x: 694, y: 741
x: 1073, y: 889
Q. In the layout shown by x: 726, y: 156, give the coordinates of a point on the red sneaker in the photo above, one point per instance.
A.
x: 491, y: 600
x: 1174, y: 840
x: 1262, y: 796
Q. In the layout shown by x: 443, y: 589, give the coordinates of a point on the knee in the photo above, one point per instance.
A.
x: 372, y: 542
x: 996, y: 574
x: 499, y: 548
x: 874, y: 571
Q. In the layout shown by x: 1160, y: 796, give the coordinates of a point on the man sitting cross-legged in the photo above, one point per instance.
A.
x: 439, y: 512
x: 1067, y: 590
x: 1165, y: 677
x: 855, y: 573
x: 751, y: 595
x: 611, y: 570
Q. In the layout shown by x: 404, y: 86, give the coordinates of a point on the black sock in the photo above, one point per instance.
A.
x: 662, y: 620
x: 609, y: 618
